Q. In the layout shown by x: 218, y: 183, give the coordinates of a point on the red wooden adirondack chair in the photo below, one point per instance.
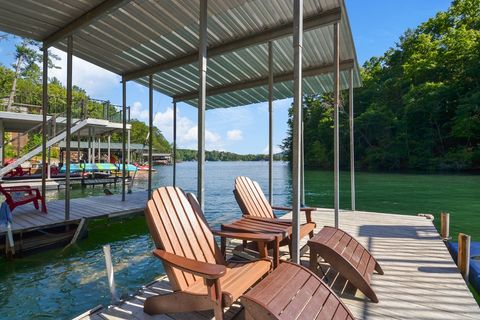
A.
x: 17, y: 196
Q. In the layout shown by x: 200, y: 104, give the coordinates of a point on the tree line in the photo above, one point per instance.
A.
x: 419, y: 106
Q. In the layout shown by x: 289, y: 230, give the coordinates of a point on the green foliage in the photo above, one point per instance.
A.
x: 191, y: 155
x: 139, y: 134
x: 419, y: 107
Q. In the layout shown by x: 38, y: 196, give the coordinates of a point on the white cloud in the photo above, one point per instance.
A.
x: 235, y: 134
x: 95, y: 80
x: 276, y: 149
x: 186, y: 131
x: 136, y: 112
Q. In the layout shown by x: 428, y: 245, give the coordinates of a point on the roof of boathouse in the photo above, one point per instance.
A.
x: 139, y: 37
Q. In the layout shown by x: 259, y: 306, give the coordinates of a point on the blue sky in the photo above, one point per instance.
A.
x: 376, y: 26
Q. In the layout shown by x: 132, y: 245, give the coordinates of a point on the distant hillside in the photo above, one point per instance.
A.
x: 191, y: 155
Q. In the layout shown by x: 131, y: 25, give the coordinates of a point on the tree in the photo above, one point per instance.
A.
x: 419, y: 106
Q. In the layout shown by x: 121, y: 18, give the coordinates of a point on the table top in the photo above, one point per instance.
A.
x: 259, y: 225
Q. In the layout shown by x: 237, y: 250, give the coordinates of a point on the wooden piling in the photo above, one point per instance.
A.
x: 445, y: 225
x: 463, y: 260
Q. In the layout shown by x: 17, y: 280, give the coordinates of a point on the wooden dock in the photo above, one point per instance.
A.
x: 421, y: 281
x: 27, y: 218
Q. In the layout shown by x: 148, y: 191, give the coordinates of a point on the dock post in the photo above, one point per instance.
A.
x: 270, y: 122
x: 10, y: 244
x: 68, y: 137
x: 445, y: 226
x: 110, y: 276
x: 150, y: 134
x: 336, y: 132
x: 202, y: 95
x: 463, y: 259
x: 297, y: 126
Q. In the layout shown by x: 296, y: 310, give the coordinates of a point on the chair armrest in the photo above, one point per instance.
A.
x: 307, y: 210
x: 290, y: 209
x: 13, y: 189
x: 203, y: 269
x: 245, y: 235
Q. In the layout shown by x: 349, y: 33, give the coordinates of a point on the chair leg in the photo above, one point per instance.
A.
x: 44, y: 207
x: 215, y: 294
x: 35, y: 204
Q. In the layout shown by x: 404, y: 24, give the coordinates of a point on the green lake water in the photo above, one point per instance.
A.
x: 60, y: 284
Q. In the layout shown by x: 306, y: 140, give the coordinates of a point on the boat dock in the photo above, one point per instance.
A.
x: 421, y: 280
x: 26, y: 219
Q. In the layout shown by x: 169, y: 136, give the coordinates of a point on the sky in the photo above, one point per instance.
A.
x: 376, y: 26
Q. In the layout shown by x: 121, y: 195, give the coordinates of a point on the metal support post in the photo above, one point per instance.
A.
x: 108, y: 151
x: 150, y: 134
x: 270, y: 122
x: 174, y: 144
x: 44, y: 116
x: 124, y: 134
x: 68, y: 137
x: 352, y: 141
x: 202, y: 62
x: 128, y: 147
x: 297, y: 120
x: 336, y: 107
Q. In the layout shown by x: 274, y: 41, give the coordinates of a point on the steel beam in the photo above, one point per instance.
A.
x: 352, y: 141
x: 297, y: 125
x: 263, y: 81
x: 83, y: 21
x: 150, y: 134
x: 336, y: 137
x: 270, y: 122
x: 44, y: 116
x: 263, y: 36
x: 68, y: 136
x: 124, y: 134
x: 202, y: 95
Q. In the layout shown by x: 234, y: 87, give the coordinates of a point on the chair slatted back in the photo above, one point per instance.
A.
x: 251, y: 199
x: 179, y: 228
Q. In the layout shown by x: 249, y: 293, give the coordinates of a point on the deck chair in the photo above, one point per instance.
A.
x: 200, y: 277
x: 17, y: 196
x: 293, y: 292
x: 254, y: 205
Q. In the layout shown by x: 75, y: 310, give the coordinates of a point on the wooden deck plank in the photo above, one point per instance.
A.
x: 28, y: 218
x: 421, y: 281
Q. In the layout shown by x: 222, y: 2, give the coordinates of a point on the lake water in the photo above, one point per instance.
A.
x: 59, y: 284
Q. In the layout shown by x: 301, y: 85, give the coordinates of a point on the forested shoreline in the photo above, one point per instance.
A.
x: 419, y: 106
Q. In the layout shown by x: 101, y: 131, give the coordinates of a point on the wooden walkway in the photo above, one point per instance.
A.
x: 421, y: 280
x: 26, y: 218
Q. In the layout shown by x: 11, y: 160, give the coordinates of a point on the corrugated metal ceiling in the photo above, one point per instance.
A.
x: 143, y: 33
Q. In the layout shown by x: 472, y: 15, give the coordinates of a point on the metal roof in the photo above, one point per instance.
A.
x: 139, y: 37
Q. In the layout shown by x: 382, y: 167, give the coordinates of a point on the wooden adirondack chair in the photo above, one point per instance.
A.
x: 254, y: 205
x: 200, y: 277
x: 20, y: 195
